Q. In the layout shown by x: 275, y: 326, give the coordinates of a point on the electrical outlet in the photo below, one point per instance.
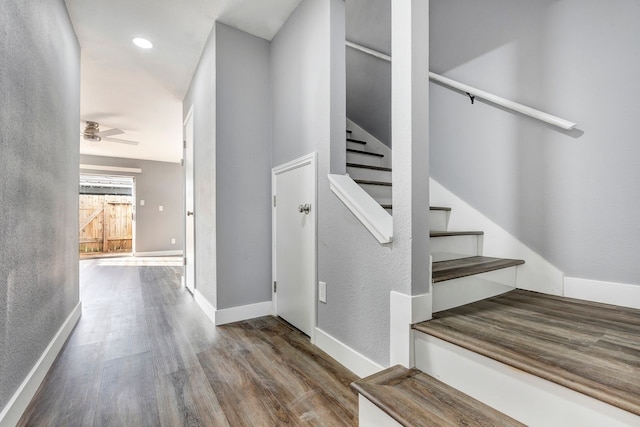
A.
x: 173, y: 241
x: 322, y: 292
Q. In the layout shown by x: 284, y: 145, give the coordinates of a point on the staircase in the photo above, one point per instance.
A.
x: 460, y: 273
x: 495, y: 355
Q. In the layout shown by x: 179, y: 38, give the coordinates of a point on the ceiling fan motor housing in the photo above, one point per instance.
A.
x: 91, y: 130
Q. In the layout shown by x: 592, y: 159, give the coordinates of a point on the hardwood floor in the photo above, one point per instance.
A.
x: 144, y: 354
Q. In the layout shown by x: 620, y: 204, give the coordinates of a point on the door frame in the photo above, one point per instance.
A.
x: 188, y: 117
x: 312, y: 160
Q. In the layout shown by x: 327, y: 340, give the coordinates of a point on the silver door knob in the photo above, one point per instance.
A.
x: 306, y: 208
x: 189, y: 213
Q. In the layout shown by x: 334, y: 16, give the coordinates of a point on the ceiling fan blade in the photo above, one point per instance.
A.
x: 109, y: 132
x: 121, y: 141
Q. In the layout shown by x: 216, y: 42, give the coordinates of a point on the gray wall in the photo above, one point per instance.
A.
x: 307, y: 75
x: 243, y: 145
x: 571, y: 197
x: 159, y: 184
x: 232, y: 148
x: 39, y: 145
x: 202, y: 96
x: 368, y: 23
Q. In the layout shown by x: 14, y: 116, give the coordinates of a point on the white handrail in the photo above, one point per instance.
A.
x: 477, y: 93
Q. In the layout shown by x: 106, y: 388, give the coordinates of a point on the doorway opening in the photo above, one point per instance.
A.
x: 106, y: 215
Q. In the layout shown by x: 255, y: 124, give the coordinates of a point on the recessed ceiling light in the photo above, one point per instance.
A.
x: 143, y: 43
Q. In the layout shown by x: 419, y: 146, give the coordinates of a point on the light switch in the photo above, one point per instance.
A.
x: 141, y: 202
x: 160, y: 208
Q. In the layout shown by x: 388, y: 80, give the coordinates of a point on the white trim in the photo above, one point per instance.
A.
x: 527, y: 398
x: 243, y: 312
x: 537, y: 274
x: 176, y: 252
x: 369, y: 415
x: 110, y: 168
x: 369, y: 212
x: 188, y: 116
x: 208, y: 308
x: 620, y: 294
x: 309, y: 159
x: 345, y: 355
x: 18, y: 403
x: 405, y: 310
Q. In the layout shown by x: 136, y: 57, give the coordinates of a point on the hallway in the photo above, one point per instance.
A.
x: 145, y: 354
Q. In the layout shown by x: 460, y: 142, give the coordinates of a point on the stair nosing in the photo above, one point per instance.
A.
x: 455, y: 233
x: 440, y: 208
x: 352, y: 150
x: 356, y: 141
x: 371, y: 182
x: 487, y: 265
x: 377, y: 168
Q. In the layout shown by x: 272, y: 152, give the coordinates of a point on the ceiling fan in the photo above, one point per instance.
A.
x: 92, y: 133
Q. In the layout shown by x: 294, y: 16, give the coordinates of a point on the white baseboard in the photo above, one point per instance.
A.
x: 606, y: 292
x: 405, y: 310
x: 345, y: 355
x: 537, y: 274
x: 233, y: 314
x: 205, y: 305
x: 160, y: 253
x: 243, y: 312
x: 12, y: 412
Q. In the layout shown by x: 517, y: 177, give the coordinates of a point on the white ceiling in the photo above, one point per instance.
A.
x: 141, y: 91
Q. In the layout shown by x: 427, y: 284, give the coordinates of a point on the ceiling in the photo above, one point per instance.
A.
x: 141, y: 91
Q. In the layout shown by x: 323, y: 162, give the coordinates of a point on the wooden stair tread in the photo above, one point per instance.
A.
x: 457, y: 268
x: 356, y: 141
x: 455, y: 233
x: 588, y: 347
x: 371, y: 182
x: 352, y: 150
x: 349, y: 131
x: 377, y: 168
x: 431, y: 208
x: 414, y: 398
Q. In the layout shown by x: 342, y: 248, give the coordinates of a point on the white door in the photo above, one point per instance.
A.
x: 294, y: 222
x: 189, y: 237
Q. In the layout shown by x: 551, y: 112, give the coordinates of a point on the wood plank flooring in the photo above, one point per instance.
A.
x: 414, y: 398
x: 144, y: 354
x: 588, y: 347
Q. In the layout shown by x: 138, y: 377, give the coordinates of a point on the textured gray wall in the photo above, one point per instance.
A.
x: 306, y: 88
x: 243, y: 145
x: 368, y: 23
x: 202, y: 96
x: 160, y: 183
x: 572, y: 198
x: 39, y: 145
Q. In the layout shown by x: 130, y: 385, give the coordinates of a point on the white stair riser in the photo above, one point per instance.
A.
x: 370, y: 174
x: 363, y: 159
x: 520, y: 395
x: 465, y: 290
x: 438, y: 220
x: 381, y: 193
x: 462, y: 246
